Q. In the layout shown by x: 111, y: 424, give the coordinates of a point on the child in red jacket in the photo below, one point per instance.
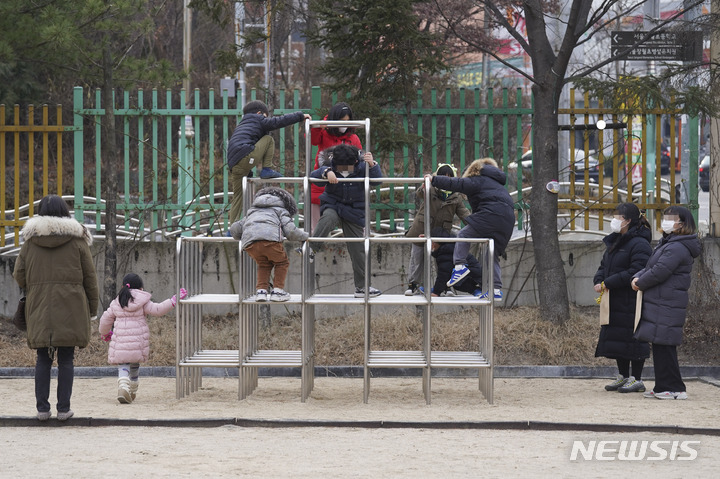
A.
x: 324, y: 138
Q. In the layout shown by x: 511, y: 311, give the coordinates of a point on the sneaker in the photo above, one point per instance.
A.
x: 649, y: 394
x: 279, y: 295
x: 632, y: 386
x: 615, y: 385
x: 123, y: 392
x: 497, y: 295
x: 133, y: 389
x: 372, y: 292
x: 415, y: 290
x: 671, y: 395
x: 43, y: 415
x: 458, y: 274
x: 412, y: 289
x: 261, y: 296
x: 65, y: 415
x: 268, y: 173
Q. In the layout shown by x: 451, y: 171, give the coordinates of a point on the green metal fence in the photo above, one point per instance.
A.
x: 174, y: 179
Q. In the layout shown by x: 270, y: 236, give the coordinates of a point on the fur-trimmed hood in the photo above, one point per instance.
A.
x: 52, y: 231
x: 287, y: 199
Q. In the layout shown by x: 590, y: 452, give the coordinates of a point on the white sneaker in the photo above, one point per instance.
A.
x: 261, y: 296
x: 43, y: 415
x: 671, y: 395
x: 279, y: 295
x: 65, y: 415
x: 123, y: 393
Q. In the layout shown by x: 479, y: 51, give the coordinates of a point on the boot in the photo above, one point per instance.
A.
x: 123, y: 395
x: 133, y: 389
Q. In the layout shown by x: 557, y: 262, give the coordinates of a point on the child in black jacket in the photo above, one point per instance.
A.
x: 443, y: 254
x: 250, y: 142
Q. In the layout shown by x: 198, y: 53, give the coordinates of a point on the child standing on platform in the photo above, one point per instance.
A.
x: 343, y: 204
x: 493, y: 215
x: 124, y: 326
x: 251, y: 145
x: 444, y: 207
x: 268, y: 222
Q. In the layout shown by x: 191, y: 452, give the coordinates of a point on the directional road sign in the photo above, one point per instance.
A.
x: 661, y: 45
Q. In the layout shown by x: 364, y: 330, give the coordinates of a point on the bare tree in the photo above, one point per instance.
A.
x: 551, y: 61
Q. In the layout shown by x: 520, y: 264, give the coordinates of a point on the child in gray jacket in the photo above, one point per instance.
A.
x: 268, y: 222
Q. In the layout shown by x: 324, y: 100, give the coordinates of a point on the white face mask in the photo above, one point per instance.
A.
x: 342, y: 129
x: 668, y: 226
x: 616, y: 225
x: 344, y: 174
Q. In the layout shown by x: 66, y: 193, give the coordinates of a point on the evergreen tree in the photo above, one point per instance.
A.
x: 381, y: 53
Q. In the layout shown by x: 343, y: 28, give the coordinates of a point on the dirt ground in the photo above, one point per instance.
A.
x: 454, y: 450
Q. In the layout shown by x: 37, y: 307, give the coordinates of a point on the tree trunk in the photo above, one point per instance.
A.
x: 551, y: 280
x: 110, y: 161
x: 549, y: 71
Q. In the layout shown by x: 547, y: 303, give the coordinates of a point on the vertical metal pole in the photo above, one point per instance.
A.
x: 187, y: 43
x: 366, y: 246
x: 178, y: 345
x: 239, y: 32
x: 427, y: 325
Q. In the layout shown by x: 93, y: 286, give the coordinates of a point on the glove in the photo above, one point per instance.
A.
x: 106, y: 337
x: 183, y: 295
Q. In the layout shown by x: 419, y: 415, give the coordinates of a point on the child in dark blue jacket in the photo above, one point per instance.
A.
x: 343, y: 204
x: 251, y: 143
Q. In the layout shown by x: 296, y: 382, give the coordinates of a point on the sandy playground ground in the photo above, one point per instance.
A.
x: 452, y: 437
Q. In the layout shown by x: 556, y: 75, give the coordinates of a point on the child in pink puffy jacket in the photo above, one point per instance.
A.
x: 124, y: 325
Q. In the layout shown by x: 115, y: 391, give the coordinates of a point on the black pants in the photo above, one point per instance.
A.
x: 667, y: 369
x: 637, y: 368
x: 66, y: 372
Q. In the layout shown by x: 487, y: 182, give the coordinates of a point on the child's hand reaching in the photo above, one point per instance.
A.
x: 332, y: 179
x: 368, y: 157
x: 183, y: 295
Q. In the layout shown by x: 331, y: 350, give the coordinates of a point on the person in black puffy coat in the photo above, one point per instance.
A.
x: 665, y: 281
x: 493, y: 214
x: 627, y: 251
x: 250, y: 145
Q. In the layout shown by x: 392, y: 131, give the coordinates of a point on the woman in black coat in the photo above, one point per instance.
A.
x: 665, y: 281
x: 627, y: 252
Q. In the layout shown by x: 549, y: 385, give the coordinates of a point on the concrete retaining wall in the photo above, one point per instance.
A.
x: 155, y: 263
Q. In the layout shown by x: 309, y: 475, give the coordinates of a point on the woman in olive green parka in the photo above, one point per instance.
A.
x: 56, y: 269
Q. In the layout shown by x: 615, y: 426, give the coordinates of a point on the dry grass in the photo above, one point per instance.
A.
x: 521, y: 337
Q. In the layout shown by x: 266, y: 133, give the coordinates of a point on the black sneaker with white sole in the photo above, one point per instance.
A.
x: 372, y: 292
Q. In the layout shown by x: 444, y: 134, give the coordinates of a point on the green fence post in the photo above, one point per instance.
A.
x: 78, y: 152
